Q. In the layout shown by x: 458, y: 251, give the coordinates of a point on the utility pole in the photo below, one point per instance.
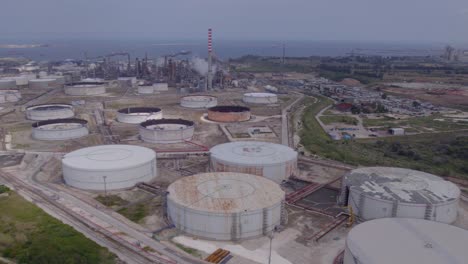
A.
x: 284, y: 53
x: 105, y: 188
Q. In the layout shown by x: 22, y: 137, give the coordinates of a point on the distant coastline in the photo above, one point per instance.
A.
x: 22, y: 46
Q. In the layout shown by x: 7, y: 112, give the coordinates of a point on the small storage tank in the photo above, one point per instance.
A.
x: 137, y: 115
x: 43, y: 84
x: 9, y: 96
x: 379, y: 192
x: 160, y: 87
x: 49, y: 111
x: 23, y: 80
x: 59, y: 79
x: 167, y: 130
x: 145, y: 89
x: 260, y: 98
x: 198, y: 101
x: 225, y: 205
x: 404, y: 240
x: 85, y: 88
x: 273, y: 161
x: 229, y: 113
x: 7, y: 84
x: 60, y: 129
x: 109, y: 167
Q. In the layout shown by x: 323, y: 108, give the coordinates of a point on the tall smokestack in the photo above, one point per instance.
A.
x: 210, y: 70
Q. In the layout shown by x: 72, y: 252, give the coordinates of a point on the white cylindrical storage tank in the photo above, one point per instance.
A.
x: 60, y: 129
x: 9, y: 96
x: 7, y: 84
x: 167, y: 130
x: 260, y: 98
x: 198, y: 101
x: 137, y: 115
x: 109, y: 167
x: 160, y: 87
x: 59, y: 79
x: 23, y: 79
x: 49, y: 111
x: 43, y: 84
x: 225, y: 205
x: 379, y: 192
x: 85, y: 88
x: 404, y: 240
x: 273, y: 161
x: 145, y: 89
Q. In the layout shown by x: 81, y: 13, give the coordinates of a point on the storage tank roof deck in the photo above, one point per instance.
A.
x: 108, y: 157
x: 402, y: 240
x: 261, y: 94
x: 403, y: 185
x: 225, y: 192
x: 253, y: 152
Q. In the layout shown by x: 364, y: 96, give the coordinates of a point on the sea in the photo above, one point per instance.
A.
x: 78, y: 48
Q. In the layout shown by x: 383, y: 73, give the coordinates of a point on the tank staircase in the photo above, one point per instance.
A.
x: 329, y: 227
x: 429, y: 211
x: 265, y: 222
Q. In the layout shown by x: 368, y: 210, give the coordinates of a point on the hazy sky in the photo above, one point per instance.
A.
x: 376, y: 20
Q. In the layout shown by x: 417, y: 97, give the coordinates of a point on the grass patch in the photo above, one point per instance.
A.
x: 29, y: 235
x: 420, y: 123
x: 349, y: 120
x: 136, y: 212
x: 189, y: 250
x: 444, y: 154
x: 111, y: 200
x: 4, y: 189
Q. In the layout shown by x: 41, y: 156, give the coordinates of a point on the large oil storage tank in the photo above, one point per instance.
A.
x: 59, y: 79
x: 378, y: 192
x: 137, y: 115
x: 229, y: 113
x: 49, y: 111
x: 7, y: 84
x: 43, y: 84
x: 404, y: 240
x: 9, y: 96
x: 260, y: 98
x: 85, y: 88
x: 198, y: 101
x: 22, y: 80
x: 273, y: 161
x: 166, y: 130
x: 225, y: 206
x: 60, y: 129
x: 109, y: 167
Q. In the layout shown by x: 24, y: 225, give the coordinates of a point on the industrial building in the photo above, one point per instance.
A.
x: 166, y: 130
x: 397, y: 131
x: 198, y: 101
x: 109, y: 167
x: 43, y: 84
x: 137, y: 115
x: 404, y: 240
x: 378, y: 192
x: 260, y: 98
x: 85, y: 88
x: 225, y: 205
x: 229, y: 113
x: 60, y: 129
x: 9, y: 96
x: 273, y: 161
x: 7, y: 84
x: 49, y: 111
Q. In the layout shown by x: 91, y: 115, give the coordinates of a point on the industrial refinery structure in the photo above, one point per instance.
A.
x: 405, y: 240
x: 273, y: 161
x: 225, y: 205
x: 109, y: 167
x: 379, y: 192
x: 166, y: 130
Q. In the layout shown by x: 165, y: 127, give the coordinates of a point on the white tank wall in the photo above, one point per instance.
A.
x: 254, y: 98
x: 367, y: 208
x: 7, y: 84
x: 90, y: 179
x: 160, y: 87
x: 137, y: 119
x: 190, y: 103
x: 62, y: 134
x: 36, y: 115
x: 348, y: 258
x: 43, y: 84
x: 59, y: 80
x: 166, y: 136
x: 220, y: 226
x: 275, y: 172
x: 145, y: 89
x: 85, y: 90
